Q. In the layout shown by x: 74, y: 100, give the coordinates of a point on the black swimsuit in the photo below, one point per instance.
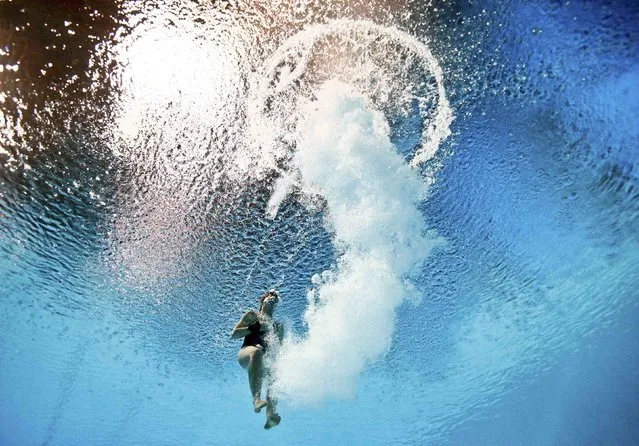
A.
x: 255, y: 337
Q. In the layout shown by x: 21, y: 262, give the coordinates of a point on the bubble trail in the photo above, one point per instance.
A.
x: 344, y: 155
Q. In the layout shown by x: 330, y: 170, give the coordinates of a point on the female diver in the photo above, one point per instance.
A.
x: 257, y: 329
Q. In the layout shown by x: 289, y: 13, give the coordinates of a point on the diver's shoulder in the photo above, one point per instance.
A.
x: 250, y: 313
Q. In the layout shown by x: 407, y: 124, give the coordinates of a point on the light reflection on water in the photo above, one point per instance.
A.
x: 131, y: 240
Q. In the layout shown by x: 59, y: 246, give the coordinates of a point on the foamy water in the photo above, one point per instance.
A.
x: 346, y: 160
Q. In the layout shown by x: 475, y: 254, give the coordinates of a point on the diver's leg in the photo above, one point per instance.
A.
x: 271, y: 403
x: 244, y: 356
x: 255, y: 371
x: 249, y: 358
x: 272, y: 418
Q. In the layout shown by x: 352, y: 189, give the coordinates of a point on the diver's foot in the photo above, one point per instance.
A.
x: 258, y: 404
x: 272, y: 421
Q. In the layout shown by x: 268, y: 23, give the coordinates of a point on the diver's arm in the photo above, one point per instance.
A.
x: 240, y: 332
x: 242, y: 329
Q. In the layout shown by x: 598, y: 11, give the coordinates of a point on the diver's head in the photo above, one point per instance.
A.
x: 268, y: 301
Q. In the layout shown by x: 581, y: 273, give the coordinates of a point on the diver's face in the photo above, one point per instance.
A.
x: 270, y: 302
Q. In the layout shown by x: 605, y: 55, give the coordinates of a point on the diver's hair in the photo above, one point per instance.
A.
x: 270, y: 292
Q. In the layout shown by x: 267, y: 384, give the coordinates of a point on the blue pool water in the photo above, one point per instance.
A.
x: 444, y: 193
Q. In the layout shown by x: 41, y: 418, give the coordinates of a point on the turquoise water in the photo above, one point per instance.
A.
x: 445, y: 196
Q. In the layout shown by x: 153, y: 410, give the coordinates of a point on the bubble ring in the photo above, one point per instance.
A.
x: 433, y: 132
